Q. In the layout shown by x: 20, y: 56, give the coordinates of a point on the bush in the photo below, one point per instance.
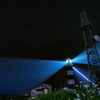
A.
x: 64, y: 95
x: 57, y: 96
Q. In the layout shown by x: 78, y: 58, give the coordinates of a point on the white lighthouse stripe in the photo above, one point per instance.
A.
x: 70, y: 72
x: 71, y: 81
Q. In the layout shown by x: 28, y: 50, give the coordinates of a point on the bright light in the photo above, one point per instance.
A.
x: 68, y: 61
x: 83, y: 76
x: 82, y: 58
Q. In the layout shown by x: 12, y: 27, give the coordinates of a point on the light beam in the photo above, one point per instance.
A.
x: 17, y: 73
x: 82, y: 57
x: 84, y: 76
x: 81, y: 74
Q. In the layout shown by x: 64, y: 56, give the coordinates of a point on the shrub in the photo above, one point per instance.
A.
x: 65, y: 95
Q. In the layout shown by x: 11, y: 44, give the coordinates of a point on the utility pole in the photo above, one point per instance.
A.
x: 90, y: 46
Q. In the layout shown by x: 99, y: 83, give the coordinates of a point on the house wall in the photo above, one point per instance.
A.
x: 34, y: 91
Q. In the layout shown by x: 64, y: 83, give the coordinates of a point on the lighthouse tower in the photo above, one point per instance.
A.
x: 70, y: 74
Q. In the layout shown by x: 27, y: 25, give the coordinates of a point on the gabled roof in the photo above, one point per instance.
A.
x: 40, y: 86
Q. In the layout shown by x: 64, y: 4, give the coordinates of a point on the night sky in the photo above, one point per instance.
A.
x: 36, y: 36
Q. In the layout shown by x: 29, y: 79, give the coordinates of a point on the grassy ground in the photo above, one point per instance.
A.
x: 4, y: 97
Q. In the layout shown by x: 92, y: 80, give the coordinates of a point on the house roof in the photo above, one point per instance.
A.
x: 40, y: 86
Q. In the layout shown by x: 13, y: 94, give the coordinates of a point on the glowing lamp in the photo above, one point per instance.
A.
x: 68, y: 61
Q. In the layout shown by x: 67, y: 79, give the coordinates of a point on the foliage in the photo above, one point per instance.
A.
x: 57, y: 96
x: 90, y: 93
